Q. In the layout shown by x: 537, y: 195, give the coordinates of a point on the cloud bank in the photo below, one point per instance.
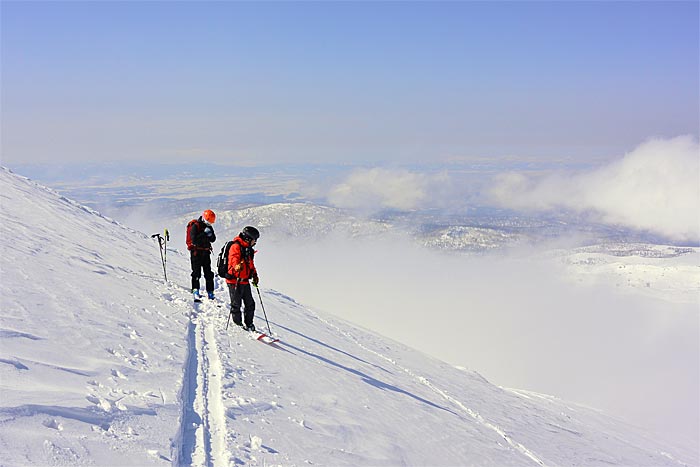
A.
x: 378, y: 188
x: 656, y: 188
x: 515, y: 319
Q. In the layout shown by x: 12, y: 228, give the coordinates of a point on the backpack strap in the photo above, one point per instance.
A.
x: 247, y: 252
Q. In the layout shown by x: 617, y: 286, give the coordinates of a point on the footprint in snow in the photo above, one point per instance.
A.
x: 53, y: 424
x: 118, y: 374
x: 138, y: 354
x: 167, y: 297
x: 101, y: 403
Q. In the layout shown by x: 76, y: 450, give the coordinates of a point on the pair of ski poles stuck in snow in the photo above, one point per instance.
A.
x: 163, y: 245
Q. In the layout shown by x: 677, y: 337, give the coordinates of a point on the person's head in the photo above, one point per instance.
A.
x: 208, y: 216
x: 250, y: 234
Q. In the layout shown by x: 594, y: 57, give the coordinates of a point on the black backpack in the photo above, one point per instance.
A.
x: 222, y: 259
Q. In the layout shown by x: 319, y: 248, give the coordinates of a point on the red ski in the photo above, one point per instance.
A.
x: 262, y: 337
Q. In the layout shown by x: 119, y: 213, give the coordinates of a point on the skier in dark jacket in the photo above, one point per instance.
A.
x: 241, y: 270
x: 200, y: 236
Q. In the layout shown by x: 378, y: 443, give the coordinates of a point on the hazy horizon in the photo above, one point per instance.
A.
x: 344, y: 82
x: 652, y: 189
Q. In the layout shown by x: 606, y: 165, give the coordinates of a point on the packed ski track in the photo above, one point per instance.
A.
x: 202, y: 433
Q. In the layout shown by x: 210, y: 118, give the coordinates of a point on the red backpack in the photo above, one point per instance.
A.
x: 190, y: 245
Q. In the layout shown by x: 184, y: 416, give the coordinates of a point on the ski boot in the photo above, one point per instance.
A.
x: 197, y: 297
x: 210, y: 295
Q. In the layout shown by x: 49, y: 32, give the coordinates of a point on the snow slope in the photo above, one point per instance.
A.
x: 104, y: 363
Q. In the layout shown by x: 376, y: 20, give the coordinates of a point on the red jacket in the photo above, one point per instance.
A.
x: 241, y: 253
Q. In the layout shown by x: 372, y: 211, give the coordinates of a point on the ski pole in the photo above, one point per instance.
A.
x: 263, y: 308
x: 160, y: 247
x: 230, y: 312
x: 165, y: 253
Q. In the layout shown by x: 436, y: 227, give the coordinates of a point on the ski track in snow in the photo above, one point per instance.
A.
x: 202, y: 433
x: 475, y: 415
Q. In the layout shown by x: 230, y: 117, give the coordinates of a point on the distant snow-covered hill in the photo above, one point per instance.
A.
x: 670, y: 273
x: 283, y: 220
x: 280, y: 221
x: 104, y: 363
x: 463, y: 238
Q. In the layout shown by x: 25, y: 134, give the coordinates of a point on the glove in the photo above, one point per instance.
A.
x: 238, y: 267
x: 256, y: 279
x: 209, y: 232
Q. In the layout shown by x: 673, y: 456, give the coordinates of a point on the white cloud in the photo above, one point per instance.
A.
x: 515, y: 319
x: 369, y: 189
x: 656, y: 187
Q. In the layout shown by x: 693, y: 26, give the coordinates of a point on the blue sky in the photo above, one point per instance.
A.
x: 346, y: 82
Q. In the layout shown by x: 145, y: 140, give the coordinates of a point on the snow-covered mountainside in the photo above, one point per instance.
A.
x: 104, y: 363
x: 466, y: 238
x: 667, y: 272
x: 281, y: 221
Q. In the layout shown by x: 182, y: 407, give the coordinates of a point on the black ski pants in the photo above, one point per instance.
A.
x: 201, y: 261
x: 242, y: 293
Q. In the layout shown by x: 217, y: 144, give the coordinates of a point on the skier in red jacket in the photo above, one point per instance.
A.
x: 241, y: 270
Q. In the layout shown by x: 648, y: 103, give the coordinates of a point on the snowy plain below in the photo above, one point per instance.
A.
x: 103, y: 362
